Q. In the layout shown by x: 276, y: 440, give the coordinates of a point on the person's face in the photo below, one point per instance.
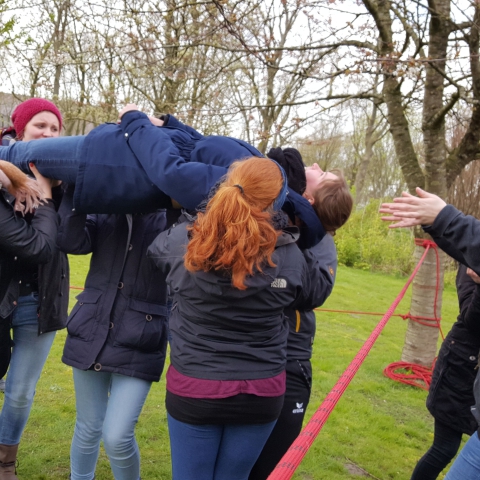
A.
x: 42, y: 125
x: 315, y: 177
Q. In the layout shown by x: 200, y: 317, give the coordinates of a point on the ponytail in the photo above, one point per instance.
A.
x: 236, y: 234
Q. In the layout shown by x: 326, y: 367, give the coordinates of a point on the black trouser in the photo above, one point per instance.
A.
x: 446, y: 442
x: 289, y: 424
x: 5, y: 345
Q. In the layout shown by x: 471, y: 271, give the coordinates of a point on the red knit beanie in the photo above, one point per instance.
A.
x: 28, y: 109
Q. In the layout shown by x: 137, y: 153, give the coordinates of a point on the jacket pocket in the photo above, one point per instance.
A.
x: 82, y: 317
x: 143, y: 326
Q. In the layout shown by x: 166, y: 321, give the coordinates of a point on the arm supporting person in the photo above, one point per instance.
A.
x: 76, y: 233
x: 321, y: 263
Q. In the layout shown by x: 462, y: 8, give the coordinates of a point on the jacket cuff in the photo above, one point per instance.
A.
x: 133, y: 120
x: 167, y: 120
x: 443, y: 220
x: 173, y: 122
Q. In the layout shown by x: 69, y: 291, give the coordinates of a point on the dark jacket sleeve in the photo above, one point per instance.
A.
x: 171, y: 121
x: 186, y: 182
x: 32, y: 243
x: 469, y: 301
x: 321, y: 262
x: 77, y: 231
x: 458, y: 235
x: 322, y: 266
x: 168, y: 248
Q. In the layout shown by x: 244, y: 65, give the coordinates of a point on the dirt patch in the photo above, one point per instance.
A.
x: 354, y: 469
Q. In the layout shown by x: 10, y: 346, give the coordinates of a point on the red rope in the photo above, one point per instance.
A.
x: 410, y: 374
x: 355, y: 312
x: 290, y: 461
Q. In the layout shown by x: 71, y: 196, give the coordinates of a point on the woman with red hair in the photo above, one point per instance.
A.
x: 232, y: 272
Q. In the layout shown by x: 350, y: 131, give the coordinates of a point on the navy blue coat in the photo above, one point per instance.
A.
x: 137, y: 167
x: 119, y: 323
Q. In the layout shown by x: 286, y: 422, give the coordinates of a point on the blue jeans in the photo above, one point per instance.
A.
x: 108, y: 407
x: 215, y: 452
x: 467, y: 465
x: 28, y: 358
x: 57, y: 158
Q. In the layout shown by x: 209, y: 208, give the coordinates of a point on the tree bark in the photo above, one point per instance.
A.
x: 420, y: 340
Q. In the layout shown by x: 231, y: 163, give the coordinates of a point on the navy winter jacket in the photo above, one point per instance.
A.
x: 222, y: 333
x: 119, y: 323
x: 144, y: 163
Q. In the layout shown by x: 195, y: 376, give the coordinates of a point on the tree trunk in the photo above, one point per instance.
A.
x: 420, y: 340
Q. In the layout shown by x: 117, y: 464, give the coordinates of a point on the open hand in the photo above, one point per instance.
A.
x: 129, y: 107
x: 410, y: 211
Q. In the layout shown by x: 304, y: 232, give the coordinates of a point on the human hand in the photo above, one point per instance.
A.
x: 129, y: 107
x: 158, y: 122
x: 410, y: 211
x: 44, y: 183
x: 473, y: 275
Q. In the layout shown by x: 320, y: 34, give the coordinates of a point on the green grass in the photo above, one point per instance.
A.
x: 379, y: 429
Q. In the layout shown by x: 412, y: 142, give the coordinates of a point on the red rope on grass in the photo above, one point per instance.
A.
x: 291, y: 460
x: 410, y: 374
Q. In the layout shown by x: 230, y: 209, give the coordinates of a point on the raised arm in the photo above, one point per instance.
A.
x: 321, y: 263
x: 77, y: 231
x: 455, y: 233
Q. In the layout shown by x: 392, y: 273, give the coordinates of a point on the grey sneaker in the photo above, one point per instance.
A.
x: 2, y: 384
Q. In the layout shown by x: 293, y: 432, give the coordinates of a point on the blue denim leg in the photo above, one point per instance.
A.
x: 108, y: 407
x: 28, y: 358
x: 240, y: 448
x: 215, y: 452
x: 57, y: 158
x: 467, y: 465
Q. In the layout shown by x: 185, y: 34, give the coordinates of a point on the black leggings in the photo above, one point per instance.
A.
x: 446, y: 442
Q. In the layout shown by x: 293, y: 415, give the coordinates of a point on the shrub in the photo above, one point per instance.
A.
x: 367, y: 242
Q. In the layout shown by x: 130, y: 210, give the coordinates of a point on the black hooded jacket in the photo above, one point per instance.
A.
x: 220, y: 332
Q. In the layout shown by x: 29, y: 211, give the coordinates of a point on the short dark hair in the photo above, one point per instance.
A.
x: 333, y: 202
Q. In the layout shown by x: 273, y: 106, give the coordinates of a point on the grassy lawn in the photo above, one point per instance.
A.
x: 378, y: 430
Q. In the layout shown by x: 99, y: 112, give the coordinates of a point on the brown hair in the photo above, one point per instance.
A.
x: 235, y: 233
x: 333, y: 202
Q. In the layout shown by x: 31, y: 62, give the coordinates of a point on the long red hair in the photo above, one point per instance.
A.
x: 236, y: 233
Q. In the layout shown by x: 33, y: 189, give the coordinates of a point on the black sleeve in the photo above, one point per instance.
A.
x: 34, y: 242
x: 458, y: 235
x: 77, y: 231
x: 469, y: 301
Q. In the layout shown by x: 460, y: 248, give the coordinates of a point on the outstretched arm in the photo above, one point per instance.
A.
x: 455, y: 233
x: 410, y: 211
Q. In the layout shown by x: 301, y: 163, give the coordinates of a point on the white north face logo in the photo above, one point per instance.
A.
x: 299, y: 408
x: 279, y: 283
